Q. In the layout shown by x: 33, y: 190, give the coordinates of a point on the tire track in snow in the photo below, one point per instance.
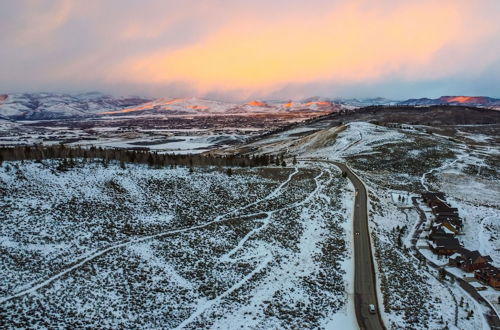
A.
x: 268, y: 257
x: 422, y: 178
x: 82, y: 261
x: 267, y: 220
x: 226, y: 293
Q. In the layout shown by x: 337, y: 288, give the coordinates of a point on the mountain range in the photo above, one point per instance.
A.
x: 43, y: 106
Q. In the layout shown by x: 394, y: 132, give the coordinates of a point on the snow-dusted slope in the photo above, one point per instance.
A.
x: 107, y: 247
x: 478, y: 101
x: 50, y: 105
x: 196, y: 106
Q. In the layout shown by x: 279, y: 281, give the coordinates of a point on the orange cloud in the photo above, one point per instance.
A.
x: 349, y: 44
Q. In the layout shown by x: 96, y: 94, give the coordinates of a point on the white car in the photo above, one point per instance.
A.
x: 372, y: 308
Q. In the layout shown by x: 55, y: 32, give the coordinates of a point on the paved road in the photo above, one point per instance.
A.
x: 364, y: 271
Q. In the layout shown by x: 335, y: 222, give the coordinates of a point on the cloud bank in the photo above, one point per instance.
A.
x: 239, y: 50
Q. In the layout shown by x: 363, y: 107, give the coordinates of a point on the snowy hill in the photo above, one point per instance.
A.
x: 165, y: 248
x: 31, y: 106
x: 366, y: 102
x: 39, y: 106
x: 196, y: 106
x: 477, y: 101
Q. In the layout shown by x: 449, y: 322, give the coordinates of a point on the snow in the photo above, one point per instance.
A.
x: 397, y: 198
x: 284, y: 225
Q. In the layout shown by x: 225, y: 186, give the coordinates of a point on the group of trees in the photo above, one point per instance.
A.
x: 153, y: 159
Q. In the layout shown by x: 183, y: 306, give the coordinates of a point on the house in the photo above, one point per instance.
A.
x: 490, y: 275
x: 453, y: 223
x: 444, y: 210
x: 468, y: 260
x: 450, y: 217
x: 438, y: 231
x: 432, y: 196
x: 450, y: 226
x: 444, y: 246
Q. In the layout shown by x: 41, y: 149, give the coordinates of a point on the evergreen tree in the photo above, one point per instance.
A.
x: 151, y: 160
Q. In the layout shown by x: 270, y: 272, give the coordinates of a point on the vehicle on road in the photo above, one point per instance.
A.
x: 372, y: 308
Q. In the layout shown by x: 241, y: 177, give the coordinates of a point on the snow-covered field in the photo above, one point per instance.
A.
x: 160, y: 140
x: 109, y: 247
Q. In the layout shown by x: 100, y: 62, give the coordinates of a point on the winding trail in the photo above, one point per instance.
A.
x: 445, y: 165
x: 267, y: 257
x: 84, y: 260
x: 226, y: 293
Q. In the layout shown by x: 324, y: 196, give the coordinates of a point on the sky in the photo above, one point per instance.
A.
x: 239, y: 50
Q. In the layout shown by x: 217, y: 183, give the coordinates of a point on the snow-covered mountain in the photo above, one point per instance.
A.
x: 38, y: 106
x: 26, y: 106
x: 365, y: 102
x: 196, y: 106
x: 478, y: 101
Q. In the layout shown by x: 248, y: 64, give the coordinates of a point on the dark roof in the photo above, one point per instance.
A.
x: 490, y: 270
x: 471, y: 256
x: 453, y: 221
x: 439, y: 230
x: 446, y: 213
x: 444, y: 208
x: 447, y: 216
x: 433, y: 195
x: 447, y: 243
x: 435, y: 203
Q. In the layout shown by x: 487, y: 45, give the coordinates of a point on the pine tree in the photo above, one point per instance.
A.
x: 151, y: 161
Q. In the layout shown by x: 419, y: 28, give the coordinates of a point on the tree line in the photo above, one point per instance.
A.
x: 153, y: 159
